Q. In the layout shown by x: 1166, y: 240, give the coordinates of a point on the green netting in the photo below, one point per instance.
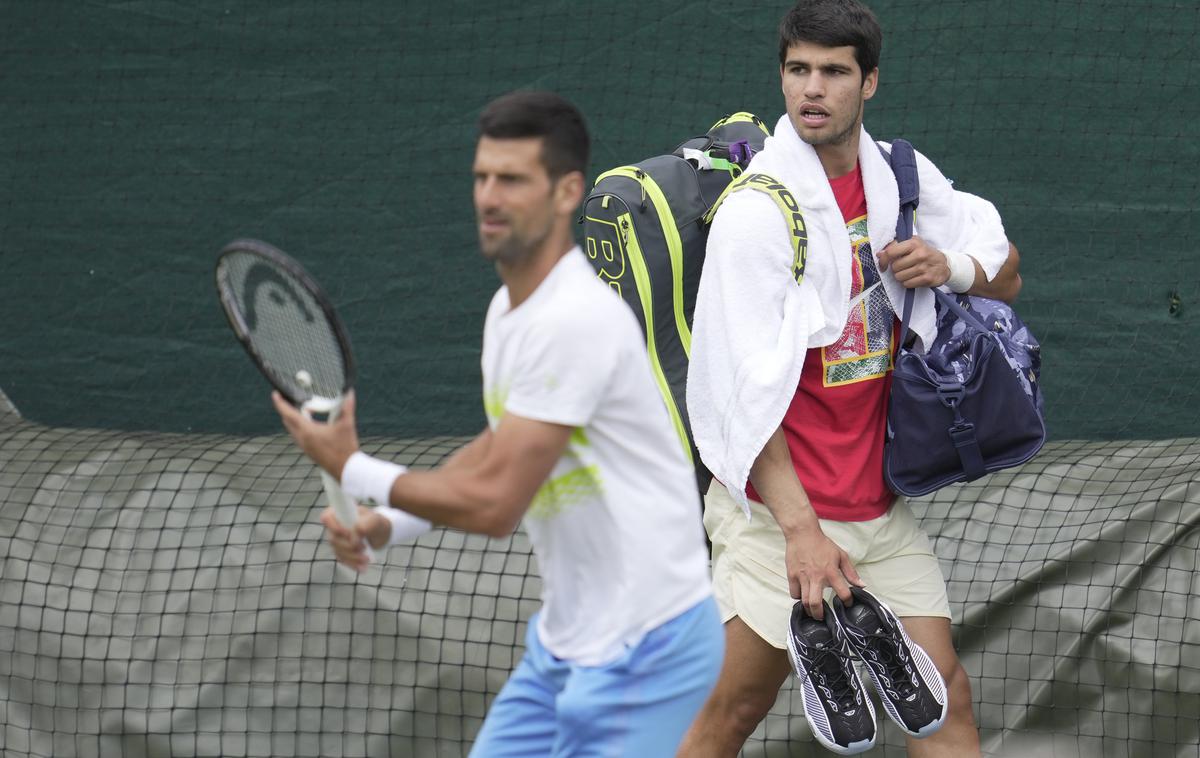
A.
x: 139, y: 137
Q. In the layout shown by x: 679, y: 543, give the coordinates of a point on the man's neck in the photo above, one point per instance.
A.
x: 839, y: 160
x: 524, y: 277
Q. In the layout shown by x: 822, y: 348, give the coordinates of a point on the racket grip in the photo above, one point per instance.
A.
x: 344, y: 507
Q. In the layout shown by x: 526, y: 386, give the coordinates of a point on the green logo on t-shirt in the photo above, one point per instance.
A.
x: 565, y: 491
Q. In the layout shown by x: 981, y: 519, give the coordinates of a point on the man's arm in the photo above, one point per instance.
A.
x: 470, y: 453
x: 489, y: 488
x: 485, y: 487
x: 1006, y: 285
x: 916, y: 263
x: 813, y: 561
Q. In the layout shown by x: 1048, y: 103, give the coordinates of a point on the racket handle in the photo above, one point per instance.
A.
x: 344, y: 507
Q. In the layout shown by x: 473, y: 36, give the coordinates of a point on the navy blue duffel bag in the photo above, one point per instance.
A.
x: 972, y: 404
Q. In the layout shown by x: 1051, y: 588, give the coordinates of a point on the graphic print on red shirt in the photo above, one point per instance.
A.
x: 835, y: 423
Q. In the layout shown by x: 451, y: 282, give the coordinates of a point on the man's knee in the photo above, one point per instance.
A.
x: 749, y: 712
x: 958, y: 686
x: 739, y: 709
x: 956, y: 677
x: 746, y: 690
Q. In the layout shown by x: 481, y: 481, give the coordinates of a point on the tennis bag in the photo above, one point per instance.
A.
x: 645, y: 228
x: 972, y: 404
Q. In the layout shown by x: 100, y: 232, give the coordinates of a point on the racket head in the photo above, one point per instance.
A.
x: 285, y: 321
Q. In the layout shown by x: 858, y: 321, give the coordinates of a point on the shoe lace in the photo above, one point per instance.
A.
x: 832, y: 670
x: 891, y: 662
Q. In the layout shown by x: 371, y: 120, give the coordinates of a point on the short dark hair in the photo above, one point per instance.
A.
x: 833, y: 23
x: 565, y: 142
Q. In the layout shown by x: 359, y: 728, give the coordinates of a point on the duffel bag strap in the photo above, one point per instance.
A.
x: 962, y: 432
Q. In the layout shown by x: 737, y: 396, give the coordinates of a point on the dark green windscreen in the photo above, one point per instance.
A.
x: 136, y: 138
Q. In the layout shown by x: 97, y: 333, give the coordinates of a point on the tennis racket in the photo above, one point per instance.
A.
x: 293, y: 334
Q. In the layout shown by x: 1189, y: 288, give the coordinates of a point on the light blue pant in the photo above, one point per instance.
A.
x: 638, y: 706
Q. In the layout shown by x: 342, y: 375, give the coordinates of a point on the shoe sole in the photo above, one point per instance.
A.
x: 854, y: 748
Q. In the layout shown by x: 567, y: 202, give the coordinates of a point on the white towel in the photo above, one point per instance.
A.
x: 753, y: 323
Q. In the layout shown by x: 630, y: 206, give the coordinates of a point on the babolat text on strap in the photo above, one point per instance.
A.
x: 788, y: 206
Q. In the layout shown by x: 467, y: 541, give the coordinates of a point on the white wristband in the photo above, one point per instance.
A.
x: 962, y: 271
x: 369, y: 480
x: 405, y: 526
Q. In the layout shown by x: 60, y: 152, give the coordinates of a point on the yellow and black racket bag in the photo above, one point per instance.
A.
x: 645, y: 228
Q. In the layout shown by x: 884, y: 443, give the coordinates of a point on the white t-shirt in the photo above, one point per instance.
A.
x: 616, y: 528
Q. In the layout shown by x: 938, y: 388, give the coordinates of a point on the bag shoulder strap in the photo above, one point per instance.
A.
x: 903, y: 160
x: 774, y: 189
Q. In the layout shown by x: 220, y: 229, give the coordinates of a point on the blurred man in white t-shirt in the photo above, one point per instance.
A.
x: 579, y: 447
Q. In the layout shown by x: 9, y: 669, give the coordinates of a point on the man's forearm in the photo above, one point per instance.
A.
x: 774, y: 478
x: 450, y: 495
x: 468, y: 498
x: 1005, y: 285
x: 487, y: 485
x: 471, y: 453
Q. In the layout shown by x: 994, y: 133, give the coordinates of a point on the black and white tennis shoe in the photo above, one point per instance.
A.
x: 835, y: 703
x: 909, y: 685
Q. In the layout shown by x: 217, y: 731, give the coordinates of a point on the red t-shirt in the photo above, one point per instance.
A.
x: 835, y: 423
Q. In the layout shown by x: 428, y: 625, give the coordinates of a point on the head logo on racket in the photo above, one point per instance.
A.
x: 263, y: 275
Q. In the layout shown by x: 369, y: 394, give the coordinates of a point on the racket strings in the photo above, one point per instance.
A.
x: 284, y: 326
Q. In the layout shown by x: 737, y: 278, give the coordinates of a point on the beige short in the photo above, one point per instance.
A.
x: 891, y: 553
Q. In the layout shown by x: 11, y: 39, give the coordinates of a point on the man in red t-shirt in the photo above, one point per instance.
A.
x: 821, y: 518
x: 836, y: 420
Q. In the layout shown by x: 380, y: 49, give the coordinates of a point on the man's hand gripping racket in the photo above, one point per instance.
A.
x: 291, y: 331
x: 344, y: 507
x: 330, y: 443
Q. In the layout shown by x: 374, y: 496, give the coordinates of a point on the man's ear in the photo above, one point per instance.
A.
x: 870, y: 83
x: 568, y: 192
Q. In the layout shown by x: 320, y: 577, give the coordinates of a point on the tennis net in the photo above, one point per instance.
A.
x: 165, y: 594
